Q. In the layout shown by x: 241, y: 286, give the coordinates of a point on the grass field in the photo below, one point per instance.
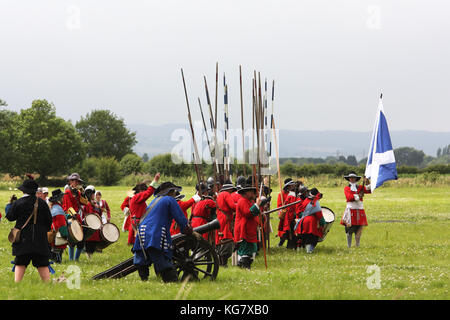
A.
x: 406, y: 244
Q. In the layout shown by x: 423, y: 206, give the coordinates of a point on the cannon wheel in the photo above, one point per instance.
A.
x: 195, y: 258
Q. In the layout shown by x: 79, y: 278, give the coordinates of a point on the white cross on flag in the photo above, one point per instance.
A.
x: 381, y: 164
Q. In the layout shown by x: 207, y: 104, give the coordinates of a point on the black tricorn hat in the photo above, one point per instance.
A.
x: 165, y: 188
x: 228, y: 185
x: 288, y: 182
x: 247, y: 187
x: 29, y: 186
x: 352, y: 174
x: 56, y: 195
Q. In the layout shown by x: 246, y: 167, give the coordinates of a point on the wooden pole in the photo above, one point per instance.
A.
x: 196, y: 154
x: 242, y: 122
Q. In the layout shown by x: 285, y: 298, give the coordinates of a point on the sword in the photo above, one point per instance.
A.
x: 139, y: 238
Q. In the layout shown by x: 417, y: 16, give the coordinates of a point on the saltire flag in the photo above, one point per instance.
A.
x: 381, y: 164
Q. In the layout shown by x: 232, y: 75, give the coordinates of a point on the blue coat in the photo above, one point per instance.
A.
x: 154, y: 229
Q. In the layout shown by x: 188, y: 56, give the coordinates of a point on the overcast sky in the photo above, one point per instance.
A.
x: 329, y: 59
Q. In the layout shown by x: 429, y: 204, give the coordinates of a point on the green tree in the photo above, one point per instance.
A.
x: 145, y: 157
x: 351, y: 161
x: 409, y: 156
x: 3, y: 103
x: 108, y: 171
x: 9, y: 138
x: 163, y: 163
x: 131, y: 164
x: 48, y: 144
x: 106, y: 135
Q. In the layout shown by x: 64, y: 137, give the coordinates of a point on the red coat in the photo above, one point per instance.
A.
x: 225, y: 215
x: 290, y: 213
x: 236, y: 197
x: 279, y: 204
x: 202, y: 213
x: 358, y: 216
x: 58, y: 221
x: 300, y: 207
x: 310, y: 224
x: 184, y: 205
x: 126, y: 204
x: 137, y: 209
x: 246, y: 224
x: 71, y: 201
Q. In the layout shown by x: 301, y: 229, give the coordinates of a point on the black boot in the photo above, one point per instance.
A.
x: 246, y: 262
x: 169, y: 275
x: 143, y: 272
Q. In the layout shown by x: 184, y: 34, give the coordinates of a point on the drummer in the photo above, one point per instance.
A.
x: 91, y: 207
x: 307, y: 227
x: 59, y: 224
x: 354, y: 217
x: 71, y: 203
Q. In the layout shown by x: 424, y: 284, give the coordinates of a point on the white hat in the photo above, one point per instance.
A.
x: 44, y: 190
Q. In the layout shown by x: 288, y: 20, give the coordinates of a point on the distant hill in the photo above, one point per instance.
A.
x: 154, y: 140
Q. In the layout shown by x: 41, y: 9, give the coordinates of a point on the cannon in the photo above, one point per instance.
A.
x: 192, y: 257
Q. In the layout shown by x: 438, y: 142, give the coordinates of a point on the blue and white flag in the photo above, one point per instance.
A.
x: 381, y: 164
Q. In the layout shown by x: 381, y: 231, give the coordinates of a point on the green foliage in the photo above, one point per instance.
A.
x: 131, y: 164
x: 163, y: 163
x: 87, y: 169
x: 48, y: 144
x: 8, y: 142
x: 108, y: 171
x: 409, y: 156
x: 105, y: 135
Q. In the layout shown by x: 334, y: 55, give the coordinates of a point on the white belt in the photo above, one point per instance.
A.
x: 355, y: 205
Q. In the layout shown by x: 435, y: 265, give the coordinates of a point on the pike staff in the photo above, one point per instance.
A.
x: 196, y: 156
x: 242, y: 121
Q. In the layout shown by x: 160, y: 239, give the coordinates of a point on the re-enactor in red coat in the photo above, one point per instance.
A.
x: 125, y: 207
x: 72, y: 205
x: 138, y: 205
x: 204, y: 212
x: 354, y: 217
x: 246, y: 226
x: 184, y: 205
x: 283, y: 233
x: 307, y: 228
x: 225, y: 214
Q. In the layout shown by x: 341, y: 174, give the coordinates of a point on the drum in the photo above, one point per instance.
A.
x: 329, y: 217
x: 75, y: 232
x: 92, y: 223
x: 109, y: 233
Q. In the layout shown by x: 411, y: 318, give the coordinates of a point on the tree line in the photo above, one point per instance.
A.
x: 36, y: 140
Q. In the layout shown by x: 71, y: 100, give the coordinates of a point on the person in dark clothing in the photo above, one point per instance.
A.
x: 33, y: 245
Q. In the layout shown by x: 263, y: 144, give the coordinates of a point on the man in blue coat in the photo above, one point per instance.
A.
x: 153, y: 244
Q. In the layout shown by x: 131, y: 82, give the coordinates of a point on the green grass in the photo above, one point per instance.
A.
x: 407, y: 238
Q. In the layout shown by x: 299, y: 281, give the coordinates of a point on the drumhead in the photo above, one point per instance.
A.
x: 328, y: 215
x: 93, y: 221
x: 76, y: 230
x: 110, y: 232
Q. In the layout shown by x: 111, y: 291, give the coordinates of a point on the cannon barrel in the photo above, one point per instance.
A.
x: 213, y: 225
